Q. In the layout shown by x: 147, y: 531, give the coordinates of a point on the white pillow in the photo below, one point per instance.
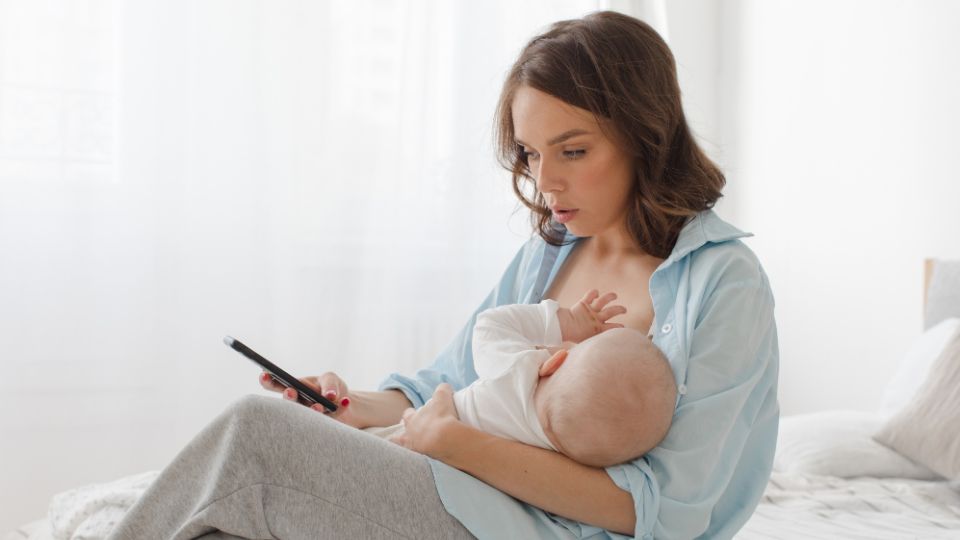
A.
x: 915, y: 365
x: 840, y: 443
x: 943, y: 293
x: 928, y: 429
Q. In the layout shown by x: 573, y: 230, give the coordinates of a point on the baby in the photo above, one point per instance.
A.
x: 569, y: 381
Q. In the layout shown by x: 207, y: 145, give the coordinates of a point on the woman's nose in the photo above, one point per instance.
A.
x: 548, y: 179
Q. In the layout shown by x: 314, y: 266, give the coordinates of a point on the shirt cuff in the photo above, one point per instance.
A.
x: 405, y: 385
x: 636, y: 477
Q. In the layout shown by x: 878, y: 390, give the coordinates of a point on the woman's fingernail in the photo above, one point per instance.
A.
x: 345, y: 401
x: 331, y: 394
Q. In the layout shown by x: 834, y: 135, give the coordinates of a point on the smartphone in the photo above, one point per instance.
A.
x: 306, y: 393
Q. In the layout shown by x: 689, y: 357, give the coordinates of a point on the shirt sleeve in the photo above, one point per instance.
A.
x: 728, y: 396
x: 454, y: 365
x: 508, y: 334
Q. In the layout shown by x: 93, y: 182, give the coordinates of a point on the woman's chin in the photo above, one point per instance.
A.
x: 572, y: 228
x: 579, y: 232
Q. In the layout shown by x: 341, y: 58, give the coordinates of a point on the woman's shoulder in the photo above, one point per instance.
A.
x: 718, y: 254
x: 732, y: 258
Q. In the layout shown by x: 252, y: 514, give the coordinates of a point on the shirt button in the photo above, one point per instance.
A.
x: 666, y: 328
x: 682, y: 389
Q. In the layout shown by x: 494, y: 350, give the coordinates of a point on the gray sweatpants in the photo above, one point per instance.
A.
x: 267, y: 468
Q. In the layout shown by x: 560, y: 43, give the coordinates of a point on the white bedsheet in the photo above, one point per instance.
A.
x: 797, y: 506
x: 90, y: 512
x: 794, y: 506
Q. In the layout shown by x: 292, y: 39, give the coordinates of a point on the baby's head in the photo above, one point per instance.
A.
x: 611, y: 400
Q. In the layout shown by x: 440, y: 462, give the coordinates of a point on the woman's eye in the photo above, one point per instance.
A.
x: 529, y: 155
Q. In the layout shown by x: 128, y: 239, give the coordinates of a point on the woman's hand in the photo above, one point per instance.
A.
x: 425, y: 429
x: 358, y: 409
x: 328, y: 385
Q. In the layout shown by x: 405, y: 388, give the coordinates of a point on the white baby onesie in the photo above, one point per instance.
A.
x: 507, y: 362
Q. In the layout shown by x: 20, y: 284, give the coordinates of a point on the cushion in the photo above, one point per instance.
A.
x: 840, y: 443
x: 928, y: 429
x: 915, y: 365
x: 943, y: 293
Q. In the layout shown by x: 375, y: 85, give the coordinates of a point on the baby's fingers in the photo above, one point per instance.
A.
x: 610, y: 312
x: 603, y: 301
x: 589, y: 297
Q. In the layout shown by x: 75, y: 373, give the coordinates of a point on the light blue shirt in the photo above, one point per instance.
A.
x: 714, y: 321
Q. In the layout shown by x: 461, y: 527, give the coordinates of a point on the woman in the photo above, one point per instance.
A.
x: 591, y: 126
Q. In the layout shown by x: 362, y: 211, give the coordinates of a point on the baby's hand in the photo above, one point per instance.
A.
x: 589, y: 316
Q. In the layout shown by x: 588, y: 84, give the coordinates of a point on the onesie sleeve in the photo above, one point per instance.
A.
x: 454, y: 365
x: 508, y: 334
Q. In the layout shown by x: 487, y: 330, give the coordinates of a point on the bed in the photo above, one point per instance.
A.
x: 889, y: 474
x: 833, y: 478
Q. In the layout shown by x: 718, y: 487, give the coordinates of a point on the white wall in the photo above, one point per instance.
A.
x: 839, y: 124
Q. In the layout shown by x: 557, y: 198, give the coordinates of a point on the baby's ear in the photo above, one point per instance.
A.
x: 553, y: 363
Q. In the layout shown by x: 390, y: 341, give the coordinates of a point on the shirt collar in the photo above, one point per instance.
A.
x: 703, y: 228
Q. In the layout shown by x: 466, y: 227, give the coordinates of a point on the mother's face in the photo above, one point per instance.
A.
x: 584, y: 177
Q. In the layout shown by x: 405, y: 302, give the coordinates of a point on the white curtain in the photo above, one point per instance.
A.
x: 314, y: 178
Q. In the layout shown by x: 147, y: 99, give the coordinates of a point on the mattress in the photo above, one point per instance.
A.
x: 35, y: 530
x: 796, y: 506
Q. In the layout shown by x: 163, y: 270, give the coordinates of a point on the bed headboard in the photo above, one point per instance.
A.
x: 941, y: 290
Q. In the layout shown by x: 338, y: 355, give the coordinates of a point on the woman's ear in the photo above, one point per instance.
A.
x: 553, y: 363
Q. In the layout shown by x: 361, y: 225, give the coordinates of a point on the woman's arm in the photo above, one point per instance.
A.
x: 378, y: 408
x: 542, y: 478
x: 360, y: 409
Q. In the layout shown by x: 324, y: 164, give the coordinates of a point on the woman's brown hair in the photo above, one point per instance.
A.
x: 622, y: 71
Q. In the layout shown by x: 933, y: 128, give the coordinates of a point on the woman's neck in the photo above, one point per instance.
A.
x: 613, y: 244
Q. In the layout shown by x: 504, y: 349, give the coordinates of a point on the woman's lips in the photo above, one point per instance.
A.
x: 564, y: 216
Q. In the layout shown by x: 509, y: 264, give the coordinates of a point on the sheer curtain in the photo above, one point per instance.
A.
x: 314, y: 178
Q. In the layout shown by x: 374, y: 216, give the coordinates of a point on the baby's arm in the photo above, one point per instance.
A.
x: 507, y: 334
x: 589, y: 316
